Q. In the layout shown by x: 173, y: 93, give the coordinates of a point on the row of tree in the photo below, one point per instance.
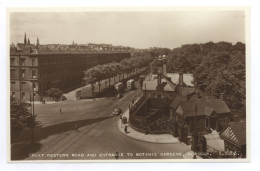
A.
x: 111, y: 70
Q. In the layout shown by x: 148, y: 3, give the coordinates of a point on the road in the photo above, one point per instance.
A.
x: 97, y: 137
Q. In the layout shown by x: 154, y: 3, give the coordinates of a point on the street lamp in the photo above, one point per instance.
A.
x: 32, y: 111
x: 31, y: 116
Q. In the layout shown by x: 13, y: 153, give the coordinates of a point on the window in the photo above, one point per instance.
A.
x: 12, y: 61
x: 33, y: 74
x: 33, y: 62
x: 23, y: 73
x: 207, y: 122
x: 22, y: 62
x: 33, y: 86
x: 22, y: 85
x: 23, y: 95
x: 12, y: 85
x: 13, y: 94
x: 12, y: 73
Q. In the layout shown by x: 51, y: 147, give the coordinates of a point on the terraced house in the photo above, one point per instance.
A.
x: 37, y: 68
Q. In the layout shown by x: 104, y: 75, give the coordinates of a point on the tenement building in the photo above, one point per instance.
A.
x: 37, y: 68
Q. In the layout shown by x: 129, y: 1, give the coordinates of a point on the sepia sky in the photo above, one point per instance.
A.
x: 135, y: 29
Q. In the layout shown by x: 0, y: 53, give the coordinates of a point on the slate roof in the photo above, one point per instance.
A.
x: 187, y: 78
x: 235, y: 132
x: 204, y: 107
x: 178, y: 99
x: 152, y: 84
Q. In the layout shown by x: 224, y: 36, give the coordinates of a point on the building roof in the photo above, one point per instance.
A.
x: 26, y: 49
x: 187, y: 78
x: 235, y: 132
x: 150, y: 85
x: 204, y: 107
x: 185, y: 91
x: 178, y: 99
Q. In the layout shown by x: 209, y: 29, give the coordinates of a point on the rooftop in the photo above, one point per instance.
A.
x: 204, y: 107
x: 235, y: 132
x: 151, y: 85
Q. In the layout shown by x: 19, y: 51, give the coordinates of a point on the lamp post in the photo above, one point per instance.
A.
x: 32, y: 112
x: 31, y: 116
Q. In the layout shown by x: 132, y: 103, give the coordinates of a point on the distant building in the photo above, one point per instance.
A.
x: 37, y: 68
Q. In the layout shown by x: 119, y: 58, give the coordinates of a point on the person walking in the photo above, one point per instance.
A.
x: 60, y: 111
x: 125, y: 129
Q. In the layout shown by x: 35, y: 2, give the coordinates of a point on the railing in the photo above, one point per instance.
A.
x: 136, y: 105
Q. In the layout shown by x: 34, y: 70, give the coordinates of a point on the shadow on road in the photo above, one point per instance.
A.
x: 43, y: 132
x: 22, y: 150
x: 21, y: 146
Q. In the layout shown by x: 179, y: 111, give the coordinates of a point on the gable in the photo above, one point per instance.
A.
x: 229, y: 134
x: 235, y: 132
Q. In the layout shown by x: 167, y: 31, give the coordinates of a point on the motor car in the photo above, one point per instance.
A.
x: 117, y: 111
x: 119, y: 95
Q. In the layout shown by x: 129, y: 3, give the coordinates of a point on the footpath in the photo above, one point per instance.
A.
x: 151, y: 138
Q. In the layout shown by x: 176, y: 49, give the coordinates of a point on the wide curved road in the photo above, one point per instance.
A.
x: 97, y: 137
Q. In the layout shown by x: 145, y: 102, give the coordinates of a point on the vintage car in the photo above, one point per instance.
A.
x: 117, y: 111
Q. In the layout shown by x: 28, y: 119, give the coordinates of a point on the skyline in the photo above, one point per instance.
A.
x: 134, y: 29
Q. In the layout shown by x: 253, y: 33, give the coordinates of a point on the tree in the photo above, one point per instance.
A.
x: 220, y: 73
x: 91, y: 76
x: 20, y: 117
x: 54, y: 93
x: 113, y: 69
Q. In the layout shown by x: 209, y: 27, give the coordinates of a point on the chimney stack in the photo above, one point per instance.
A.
x: 181, y: 78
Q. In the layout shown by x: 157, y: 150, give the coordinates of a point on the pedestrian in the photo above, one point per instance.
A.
x: 60, y: 110
x: 194, y: 157
x: 125, y: 129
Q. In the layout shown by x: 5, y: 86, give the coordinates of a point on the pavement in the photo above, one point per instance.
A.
x: 152, y: 138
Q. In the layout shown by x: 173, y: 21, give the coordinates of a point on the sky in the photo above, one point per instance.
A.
x: 168, y: 29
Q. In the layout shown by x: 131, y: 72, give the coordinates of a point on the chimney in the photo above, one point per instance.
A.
x: 221, y: 96
x: 159, y: 79
x: 181, y: 78
x: 164, y: 70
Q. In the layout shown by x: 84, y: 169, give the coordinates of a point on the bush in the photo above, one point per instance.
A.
x: 20, y: 117
x: 54, y: 93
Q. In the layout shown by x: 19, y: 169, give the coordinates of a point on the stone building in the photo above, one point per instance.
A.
x: 37, y: 68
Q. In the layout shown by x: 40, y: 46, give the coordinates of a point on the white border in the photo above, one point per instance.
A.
x: 254, y: 97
